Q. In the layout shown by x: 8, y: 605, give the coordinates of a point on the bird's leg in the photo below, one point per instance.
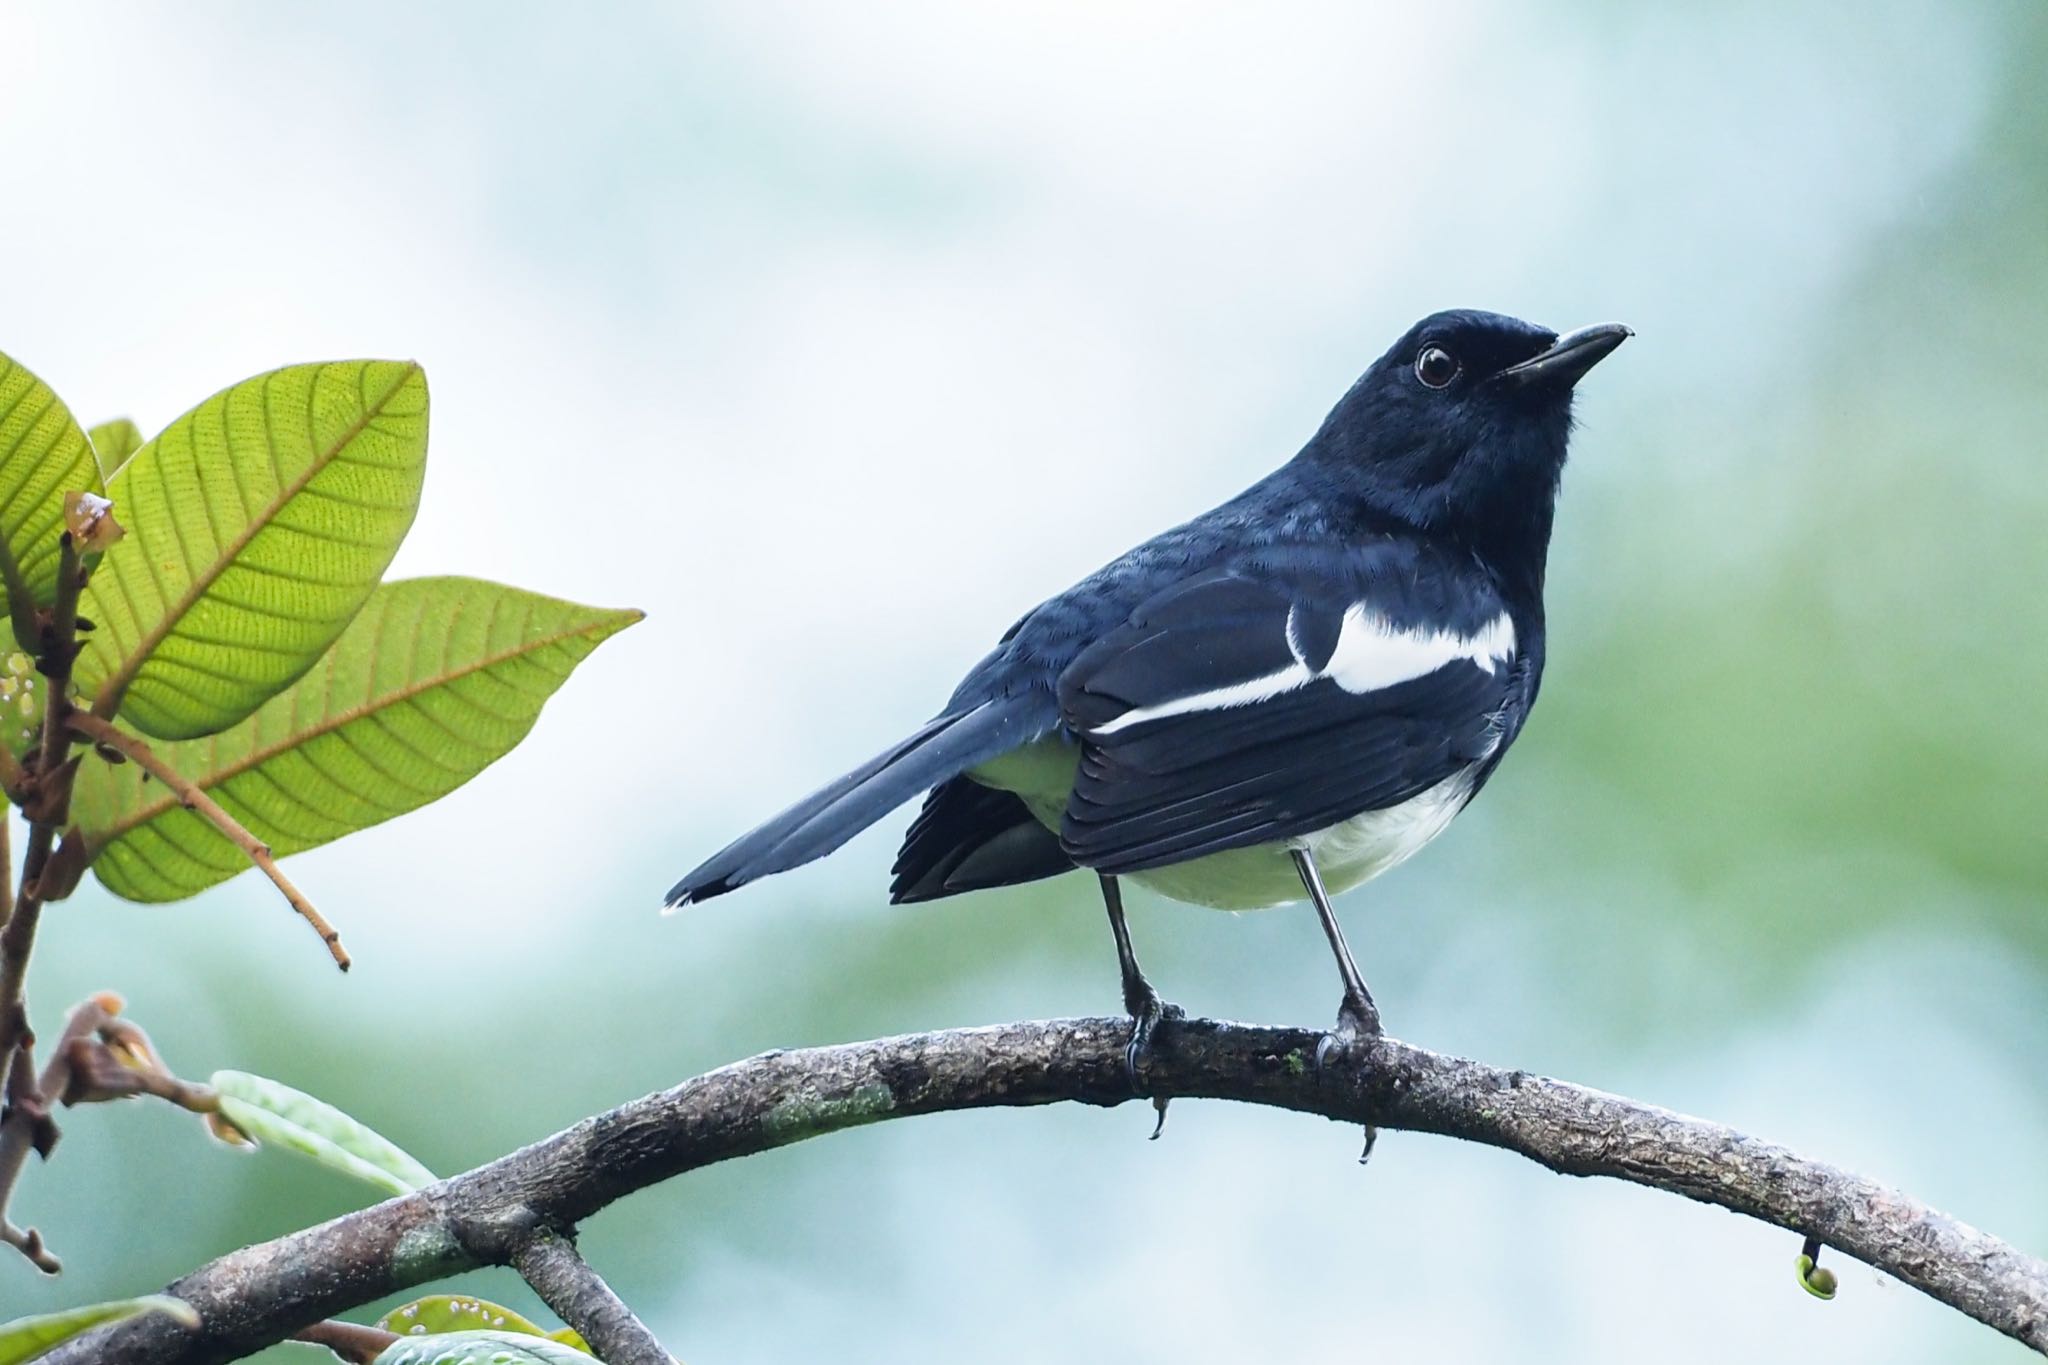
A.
x: 1141, y: 1002
x: 1357, y: 1017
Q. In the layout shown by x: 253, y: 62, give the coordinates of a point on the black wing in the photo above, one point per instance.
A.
x: 1276, y: 698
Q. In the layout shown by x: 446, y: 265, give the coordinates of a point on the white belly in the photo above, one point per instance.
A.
x: 1346, y: 854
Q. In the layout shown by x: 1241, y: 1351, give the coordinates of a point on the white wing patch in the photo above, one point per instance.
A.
x: 1372, y: 653
x: 1216, y: 699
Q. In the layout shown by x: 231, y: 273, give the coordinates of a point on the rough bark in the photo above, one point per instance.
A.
x: 259, y: 1294
x: 551, y: 1264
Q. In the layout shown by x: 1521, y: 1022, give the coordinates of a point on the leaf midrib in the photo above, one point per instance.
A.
x: 326, y: 726
x: 108, y: 700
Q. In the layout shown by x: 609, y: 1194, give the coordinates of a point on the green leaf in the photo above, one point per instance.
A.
x: 257, y: 525
x: 435, y: 680
x: 479, y: 1348
x: 444, y: 1313
x: 271, y: 1112
x: 112, y: 443
x: 22, y: 694
x: 26, y: 1338
x: 453, y: 1313
x: 43, y: 456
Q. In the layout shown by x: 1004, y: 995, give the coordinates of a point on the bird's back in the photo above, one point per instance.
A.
x: 1281, y: 508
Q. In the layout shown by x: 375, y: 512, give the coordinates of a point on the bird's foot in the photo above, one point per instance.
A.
x: 1147, y: 1013
x: 1358, y: 1024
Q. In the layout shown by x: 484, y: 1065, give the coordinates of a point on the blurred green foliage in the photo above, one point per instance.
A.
x: 24, y: 1339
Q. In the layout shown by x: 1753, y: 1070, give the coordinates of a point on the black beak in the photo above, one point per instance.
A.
x: 1568, y: 358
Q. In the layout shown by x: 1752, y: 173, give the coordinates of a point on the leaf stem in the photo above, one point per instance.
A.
x: 194, y: 798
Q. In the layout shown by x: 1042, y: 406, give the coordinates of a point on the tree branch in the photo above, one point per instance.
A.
x: 567, y: 1284
x: 194, y: 798
x: 257, y: 1295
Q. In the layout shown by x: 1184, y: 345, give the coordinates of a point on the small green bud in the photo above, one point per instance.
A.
x: 1818, y: 1281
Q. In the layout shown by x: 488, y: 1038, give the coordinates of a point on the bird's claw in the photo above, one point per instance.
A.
x: 1147, y: 1011
x: 1358, y: 1022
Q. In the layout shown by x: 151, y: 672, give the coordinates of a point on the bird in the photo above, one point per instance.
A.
x: 1273, y: 702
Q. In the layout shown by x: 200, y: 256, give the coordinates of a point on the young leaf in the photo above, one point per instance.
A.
x: 258, y: 524
x: 43, y: 456
x: 112, y: 443
x: 271, y: 1112
x: 480, y: 1348
x: 26, y: 1338
x: 444, y: 1313
x: 435, y: 680
x: 90, y: 520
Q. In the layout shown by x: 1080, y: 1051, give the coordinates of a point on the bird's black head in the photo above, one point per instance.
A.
x: 1460, y: 429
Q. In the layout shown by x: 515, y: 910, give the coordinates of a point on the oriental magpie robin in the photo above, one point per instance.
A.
x: 1280, y: 699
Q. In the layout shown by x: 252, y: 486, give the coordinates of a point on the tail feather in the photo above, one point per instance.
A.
x: 828, y: 817
x: 969, y: 838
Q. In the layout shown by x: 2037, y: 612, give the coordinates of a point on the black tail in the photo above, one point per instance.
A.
x: 968, y: 838
x: 836, y: 812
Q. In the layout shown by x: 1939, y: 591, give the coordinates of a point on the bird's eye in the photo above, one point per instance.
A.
x: 1436, y: 367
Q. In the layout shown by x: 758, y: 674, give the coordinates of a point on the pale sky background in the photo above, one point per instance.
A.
x: 833, y: 337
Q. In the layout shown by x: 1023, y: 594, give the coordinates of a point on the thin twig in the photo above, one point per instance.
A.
x: 255, y: 1296
x: 18, y: 941
x: 194, y: 798
x: 47, y: 796
x: 29, y: 1243
x: 24, y: 1109
x: 18, y: 1130
x: 6, y: 858
x: 10, y: 779
x: 580, y: 1297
